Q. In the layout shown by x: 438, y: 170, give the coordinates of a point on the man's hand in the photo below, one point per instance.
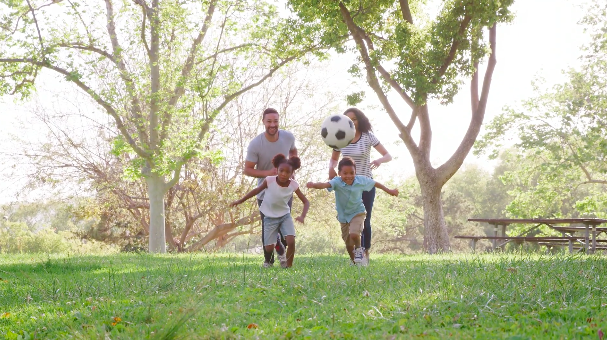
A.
x: 272, y: 172
x: 235, y: 203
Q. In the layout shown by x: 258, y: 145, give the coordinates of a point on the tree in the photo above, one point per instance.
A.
x: 418, y: 58
x: 561, y: 136
x: 162, y: 71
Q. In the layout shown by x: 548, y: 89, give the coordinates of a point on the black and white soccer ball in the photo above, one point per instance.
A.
x: 337, y: 131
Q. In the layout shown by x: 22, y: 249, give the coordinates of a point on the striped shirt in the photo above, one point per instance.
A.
x: 360, y: 152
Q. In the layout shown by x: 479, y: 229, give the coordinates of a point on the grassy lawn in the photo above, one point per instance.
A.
x: 202, y: 296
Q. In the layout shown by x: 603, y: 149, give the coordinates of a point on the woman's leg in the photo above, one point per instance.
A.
x: 368, y: 199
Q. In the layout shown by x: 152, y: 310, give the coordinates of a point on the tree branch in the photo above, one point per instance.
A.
x: 374, y: 83
x: 384, y: 73
x: 453, y: 50
x: 88, y: 33
x: 228, y: 99
x: 73, y: 77
x: 187, y: 68
x: 91, y: 48
x: 126, y: 78
x: 455, y: 161
x: 474, y: 89
x: 37, y: 28
x: 406, y: 11
x: 223, y: 229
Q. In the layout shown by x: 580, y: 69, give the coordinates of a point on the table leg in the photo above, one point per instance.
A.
x: 570, y: 241
x: 593, y: 238
x: 587, y: 239
x: 503, y: 234
x: 494, y: 241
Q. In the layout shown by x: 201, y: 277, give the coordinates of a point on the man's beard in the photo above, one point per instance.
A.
x: 268, y: 131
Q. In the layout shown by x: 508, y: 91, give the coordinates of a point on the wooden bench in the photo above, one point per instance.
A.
x: 520, y: 239
x: 589, y: 239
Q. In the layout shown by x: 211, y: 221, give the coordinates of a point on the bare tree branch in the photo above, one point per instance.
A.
x: 186, y: 70
x: 86, y: 28
x: 37, y: 28
x: 474, y: 89
x: 91, y: 48
x: 455, y: 161
x: 124, y: 74
x: 73, y: 77
x: 223, y: 229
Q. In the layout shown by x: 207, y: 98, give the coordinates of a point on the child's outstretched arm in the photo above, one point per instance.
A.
x: 319, y: 185
x: 251, y: 193
x: 306, y: 206
x: 393, y: 192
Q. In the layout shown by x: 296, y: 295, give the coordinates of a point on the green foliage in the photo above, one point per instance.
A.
x: 418, y: 51
x: 230, y: 297
x: 355, y: 98
x: 560, y: 137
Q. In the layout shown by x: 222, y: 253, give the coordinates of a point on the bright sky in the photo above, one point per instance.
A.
x: 543, y: 40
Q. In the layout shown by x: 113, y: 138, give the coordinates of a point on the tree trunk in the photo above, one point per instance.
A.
x: 436, y: 238
x: 156, y: 191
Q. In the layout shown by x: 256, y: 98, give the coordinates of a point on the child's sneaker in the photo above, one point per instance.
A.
x: 358, y: 255
x: 283, y: 260
x: 267, y: 265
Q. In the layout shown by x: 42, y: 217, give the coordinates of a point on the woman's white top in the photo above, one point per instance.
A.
x: 360, y: 152
x: 276, y: 199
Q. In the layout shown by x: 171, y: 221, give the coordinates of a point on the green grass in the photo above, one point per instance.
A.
x: 321, y: 297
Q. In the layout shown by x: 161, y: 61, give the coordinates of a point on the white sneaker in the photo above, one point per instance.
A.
x: 358, y: 255
x: 267, y: 265
x: 283, y: 260
x: 365, y: 261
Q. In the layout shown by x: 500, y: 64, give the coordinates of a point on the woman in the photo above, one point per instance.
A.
x: 360, y: 151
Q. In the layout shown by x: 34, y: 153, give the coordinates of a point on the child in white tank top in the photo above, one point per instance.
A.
x: 278, y: 191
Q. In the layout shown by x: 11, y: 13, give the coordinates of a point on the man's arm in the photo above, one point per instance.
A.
x: 249, y: 170
x: 320, y: 185
x: 393, y: 192
x: 293, y: 152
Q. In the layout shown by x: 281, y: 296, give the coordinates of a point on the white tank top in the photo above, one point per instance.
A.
x: 276, y: 199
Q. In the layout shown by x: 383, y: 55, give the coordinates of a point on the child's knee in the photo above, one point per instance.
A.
x: 354, y: 237
x: 269, y: 248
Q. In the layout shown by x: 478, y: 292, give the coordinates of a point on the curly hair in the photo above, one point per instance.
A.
x: 294, y: 162
x: 346, y: 161
x: 364, y: 125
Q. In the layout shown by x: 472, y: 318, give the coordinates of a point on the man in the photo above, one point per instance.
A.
x: 258, y: 163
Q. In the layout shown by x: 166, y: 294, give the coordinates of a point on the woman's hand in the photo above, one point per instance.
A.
x: 375, y: 164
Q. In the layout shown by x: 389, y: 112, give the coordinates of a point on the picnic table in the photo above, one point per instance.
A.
x: 588, y: 242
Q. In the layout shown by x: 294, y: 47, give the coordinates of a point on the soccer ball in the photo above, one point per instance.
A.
x: 337, y: 131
